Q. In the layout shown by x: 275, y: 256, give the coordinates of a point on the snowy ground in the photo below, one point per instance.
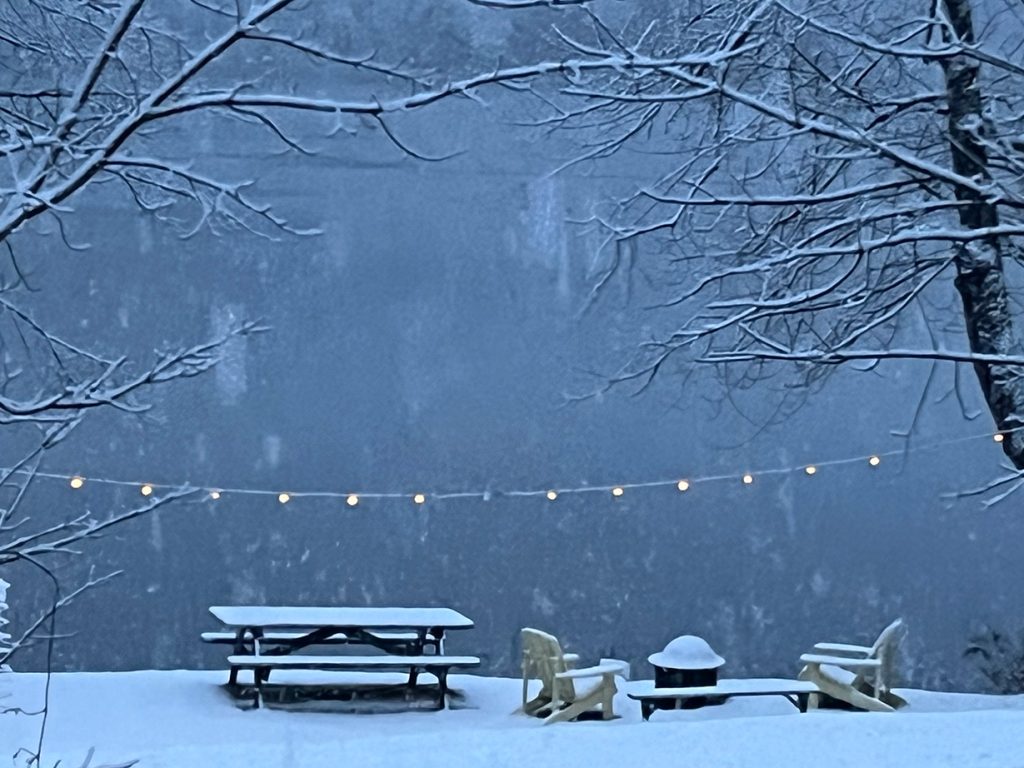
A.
x: 186, y: 720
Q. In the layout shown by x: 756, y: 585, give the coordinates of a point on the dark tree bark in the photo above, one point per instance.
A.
x: 981, y: 281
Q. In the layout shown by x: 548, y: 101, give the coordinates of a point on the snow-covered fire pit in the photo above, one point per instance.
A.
x: 687, y: 662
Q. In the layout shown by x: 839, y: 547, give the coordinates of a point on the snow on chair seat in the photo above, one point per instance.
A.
x: 845, y: 648
x: 842, y: 661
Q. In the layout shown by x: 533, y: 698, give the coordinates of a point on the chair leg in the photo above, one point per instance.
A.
x: 608, y: 699
x: 535, y: 706
x: 582, y: 704
x: 844, y: 692
x: 570, y: 712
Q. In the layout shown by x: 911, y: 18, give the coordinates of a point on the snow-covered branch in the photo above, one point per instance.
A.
x: 835, y: 357
x: 847, y: 167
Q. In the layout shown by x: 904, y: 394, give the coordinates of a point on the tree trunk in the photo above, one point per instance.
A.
x: 981, y: 281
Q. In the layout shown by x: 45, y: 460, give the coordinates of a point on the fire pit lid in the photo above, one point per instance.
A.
x: 687, y: 652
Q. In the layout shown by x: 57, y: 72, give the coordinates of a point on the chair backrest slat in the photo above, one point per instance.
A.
x: 543, y: 659
x: 885, y: 649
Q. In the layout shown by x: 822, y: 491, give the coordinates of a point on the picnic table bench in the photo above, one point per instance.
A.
x: 291, y: 638
x: 795, y: 691
x: 265, y: 638
x: 437, y: 665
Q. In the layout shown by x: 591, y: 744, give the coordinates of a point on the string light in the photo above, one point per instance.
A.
x: 77, y: 481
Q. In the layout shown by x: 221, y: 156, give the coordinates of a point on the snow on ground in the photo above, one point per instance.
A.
x: 186, y: 720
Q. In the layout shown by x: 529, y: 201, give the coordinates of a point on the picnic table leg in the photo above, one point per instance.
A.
x: 437, y: 639
x: 442, y: 685
x: 417, y: 648
x: 646, y: 710
x: 239, y: 649
x: 257, y: 675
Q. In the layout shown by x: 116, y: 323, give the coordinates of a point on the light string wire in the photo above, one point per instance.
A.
x: 682, y: 482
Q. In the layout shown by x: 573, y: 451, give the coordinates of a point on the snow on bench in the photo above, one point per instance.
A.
x: 287, y: 637
x: 645, y: 692
x: 352, y: 662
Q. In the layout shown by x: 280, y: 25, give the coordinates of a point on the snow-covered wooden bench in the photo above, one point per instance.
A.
x: 434, y: 664
x: 795, y: 691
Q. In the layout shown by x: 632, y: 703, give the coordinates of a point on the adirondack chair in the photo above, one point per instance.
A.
x: 558, y: 699
x: 858, y: 675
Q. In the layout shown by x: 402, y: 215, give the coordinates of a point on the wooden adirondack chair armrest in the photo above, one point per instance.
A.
x: 840, y: 661
x: 570, y: 659
x: 623, y: 667
x: 862, y: 650
x: 606, y: 667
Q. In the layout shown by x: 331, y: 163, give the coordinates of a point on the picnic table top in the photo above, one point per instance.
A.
x: 753, y: 686
x: 323, y: 616
x: 367, y: 662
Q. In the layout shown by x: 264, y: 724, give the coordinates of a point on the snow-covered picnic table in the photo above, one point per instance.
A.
x: 264, y: 637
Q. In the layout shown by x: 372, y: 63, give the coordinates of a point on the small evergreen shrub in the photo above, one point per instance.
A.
x: 999, y: 657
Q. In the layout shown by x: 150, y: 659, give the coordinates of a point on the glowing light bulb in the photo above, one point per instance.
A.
x: 874, y: 461
x: 998, y: 437
x: 284, y: 498
x: 419, y: 498
x: 214, y: 495
x: 552, y: 495
x: 683, y: 485
x: 77, y: 482
x: 617, y: 491
x: 810, y: 470
x: 352, y: 500
x: 748, y: 479
x: 146, y: 490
